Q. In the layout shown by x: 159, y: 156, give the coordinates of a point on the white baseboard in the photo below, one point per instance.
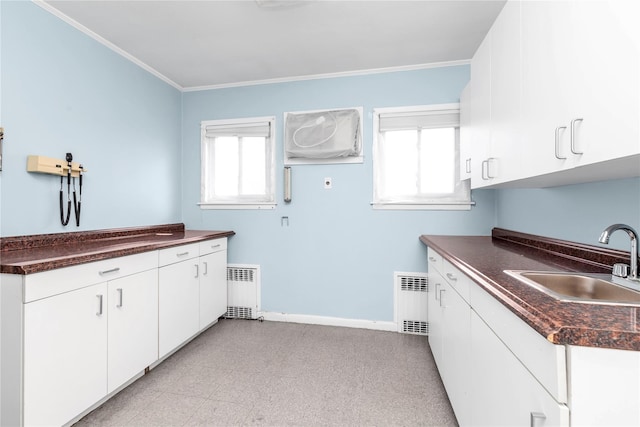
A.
x: 329, y: 321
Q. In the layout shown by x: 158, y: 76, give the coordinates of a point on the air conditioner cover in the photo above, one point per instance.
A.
x: 323, y: 134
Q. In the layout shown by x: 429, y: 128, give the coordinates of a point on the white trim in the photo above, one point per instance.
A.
x: 212, y: 206
x: 330, y: 75
x: 78, y: 26
x: 463, y: 206
x: 329, y: 321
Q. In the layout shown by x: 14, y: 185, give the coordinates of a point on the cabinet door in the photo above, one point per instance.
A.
x: 546, y: 95
x: 133, y: 326
x: 506, y: 83
x: 434, y: 315
x: 65, y: 355
x: 480, y: 104
x: 605, y: 78
x: 178, y: 307
x: 213, y: 287
x: 504, y: 392
x: 466, y: 132
x: 456, y: 361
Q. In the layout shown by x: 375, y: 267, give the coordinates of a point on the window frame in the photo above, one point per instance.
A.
x: 459, y: 199
x: 239, y: 202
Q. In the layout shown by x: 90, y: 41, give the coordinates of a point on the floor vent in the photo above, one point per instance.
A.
x: 243, y: 287
x: 411, y: 302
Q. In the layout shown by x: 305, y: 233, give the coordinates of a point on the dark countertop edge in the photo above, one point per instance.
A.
x: 541, y: 323
x: 113, y: 250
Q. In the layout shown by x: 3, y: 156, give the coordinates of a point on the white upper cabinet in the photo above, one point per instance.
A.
x: 545, y: 50
x: 605, y: 96
x: 563, y: 94
x: 503, y: 163
x: 465, y: 133
x: 480, y: 106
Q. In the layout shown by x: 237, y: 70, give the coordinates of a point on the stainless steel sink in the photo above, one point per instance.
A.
x: 578, y: 287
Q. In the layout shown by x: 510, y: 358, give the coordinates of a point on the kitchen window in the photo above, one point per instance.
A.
x: 237, y: 164
x: 416, y: 159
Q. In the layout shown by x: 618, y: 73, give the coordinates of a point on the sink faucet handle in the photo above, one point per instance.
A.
x: 620, y: 270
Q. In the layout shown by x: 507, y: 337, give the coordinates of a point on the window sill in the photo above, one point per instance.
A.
x: 236, y: 206
x: 462, y: 206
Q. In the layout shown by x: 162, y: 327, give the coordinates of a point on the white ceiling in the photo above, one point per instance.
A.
x: 196, y: 44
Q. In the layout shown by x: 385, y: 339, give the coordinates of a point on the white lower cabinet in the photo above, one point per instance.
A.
x: 65, y: 355
x: 133, y: 326
x: 73, y: 336
x: 213, y: 281
x: 192, y: 291
x: 487, y: 384
x: 179, y: 298
x: 449, y: 330
x: 504, y: 391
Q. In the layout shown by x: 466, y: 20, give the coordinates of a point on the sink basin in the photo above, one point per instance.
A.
x: 578, y: 287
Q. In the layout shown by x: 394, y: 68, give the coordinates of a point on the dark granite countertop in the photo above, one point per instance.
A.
x: 38, y: 253
x: 483, y: 259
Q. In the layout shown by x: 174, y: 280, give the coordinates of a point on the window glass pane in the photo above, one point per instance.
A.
x: 437, y: 160
x: 226, y: 166
x: 400, y: 163
x: 254, y: 159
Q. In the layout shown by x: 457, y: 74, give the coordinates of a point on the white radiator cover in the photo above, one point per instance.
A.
x: 411, y: 302
x: 243, y: 291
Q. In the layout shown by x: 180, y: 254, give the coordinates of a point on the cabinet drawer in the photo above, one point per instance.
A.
x: 54, y: 282
x: 456, y: 279
x: 210, y: 246
x: 178, y: 253
x: 435, y: 260
x: 546, y: 361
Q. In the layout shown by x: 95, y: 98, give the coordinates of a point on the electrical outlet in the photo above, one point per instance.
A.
x: 327, y: 183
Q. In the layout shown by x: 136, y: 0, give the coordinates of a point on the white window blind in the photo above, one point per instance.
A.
x: 256, y: 129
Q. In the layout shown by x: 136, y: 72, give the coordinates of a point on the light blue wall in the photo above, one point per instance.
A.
x: 573, y: 212
x: 64, y: 92
x: 337, y: 256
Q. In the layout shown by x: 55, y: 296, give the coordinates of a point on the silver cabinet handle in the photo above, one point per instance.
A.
x: 432, y: 259
x: 113, y: 270
x: 467, y: 165
x: 215, y: 246
x: 485, y: 163
x: 487, y: 174
x: 558, y: 129
x: 535, y: 417
x: 99, y: 312
x: 573, y: 136
x: 119, y: 290
x: 206, y: 268
x: 197, y: 270
x: 436, y: 291
x: 183, y: 253
x: 452, y: 277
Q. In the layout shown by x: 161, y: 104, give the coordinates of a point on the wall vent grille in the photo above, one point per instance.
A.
x: 413, y: 283
x: 413, y: 327
x: 243, y: 291
x: 411, y: 303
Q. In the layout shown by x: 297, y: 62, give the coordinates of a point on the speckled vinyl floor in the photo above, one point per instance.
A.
x: 245, y: 373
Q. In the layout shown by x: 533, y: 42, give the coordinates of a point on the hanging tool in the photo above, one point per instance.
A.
x: 77, y: 205
x: 64, y: 220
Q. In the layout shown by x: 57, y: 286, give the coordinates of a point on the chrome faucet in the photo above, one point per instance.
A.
x: 633, y: 235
